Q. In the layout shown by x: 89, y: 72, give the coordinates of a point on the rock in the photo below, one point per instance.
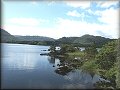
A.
x: 44, y: 54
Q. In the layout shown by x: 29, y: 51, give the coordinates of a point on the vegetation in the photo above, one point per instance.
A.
x: 105, y: 63
x: 83, y: 41
x: 90, y: 39
x: 33, y: 38
x: 118, y: 66
x: 90, y: 52
x: 6, y: 37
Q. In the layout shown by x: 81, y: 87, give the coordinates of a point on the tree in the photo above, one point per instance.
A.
x: 91, y: 51
x: 65, y: 48
x: 52, y: 49
x: 118, y: 66
x: 107, y: 56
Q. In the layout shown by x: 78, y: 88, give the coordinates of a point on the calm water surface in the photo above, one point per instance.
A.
x: 24, y: 68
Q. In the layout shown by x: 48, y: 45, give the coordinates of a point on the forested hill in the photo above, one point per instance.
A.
x: 85, y: 40
x: 33, y: 38
x: 67, y: 39
x: 7, y: 37
x: 90, y: 39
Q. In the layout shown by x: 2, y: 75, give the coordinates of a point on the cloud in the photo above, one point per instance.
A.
x: 65, y: 27
x: 106, y: 4
x: 34, y: 3
x: 110, y: 16
x: 51, y: 3
x: 79, y: 28
x: 74, y: 13
x: 24, y: 21
x: 103, y: 34
x: 27, y: 21
x: 76, y: 4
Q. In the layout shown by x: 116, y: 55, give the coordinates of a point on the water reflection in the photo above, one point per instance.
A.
x: 23, y: 67
x: 21, y: 63
x: 69, y: 68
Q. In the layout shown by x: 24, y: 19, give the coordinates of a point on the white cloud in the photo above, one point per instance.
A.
x: 106, y: 4
x: 94, y: 12
x: 24, y: 21
x: 76, y: 4
x: 74, y: 13
x: 27, y: 21
x: 110, y: 16
x: 34, y: 3
x: 67, y: 27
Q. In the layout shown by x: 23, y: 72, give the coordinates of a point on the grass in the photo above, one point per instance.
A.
x: 77, y: 53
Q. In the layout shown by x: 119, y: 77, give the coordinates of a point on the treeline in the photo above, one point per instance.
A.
x: 83, y: 41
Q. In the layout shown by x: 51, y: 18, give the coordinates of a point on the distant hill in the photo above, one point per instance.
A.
x: 33, y: 38
x: 7, y: 37
x: 90, y: 39
x: 85, y: 40
x: 67, y: 39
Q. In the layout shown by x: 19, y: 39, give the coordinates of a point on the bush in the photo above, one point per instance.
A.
x: 107, y: 56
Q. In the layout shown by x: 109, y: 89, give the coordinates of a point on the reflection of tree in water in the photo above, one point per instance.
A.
x: 67, y: 64
x: 63, y: 70
x: 67, y: 67
x: 51, y: 59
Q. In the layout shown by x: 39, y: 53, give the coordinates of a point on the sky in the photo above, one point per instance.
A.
x: 58, y: 19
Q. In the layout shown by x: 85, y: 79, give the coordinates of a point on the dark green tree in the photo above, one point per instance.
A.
x: 65, y: 48
x: 107, y: 56
x: 90, y: 52
x: 52, y: 49
x: 118, y: 65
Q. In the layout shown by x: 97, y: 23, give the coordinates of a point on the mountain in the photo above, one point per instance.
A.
x: 33, y: 38
x: 90, y: 39
x: 67, y: 39
x: 7, y: 37
x: 85, y: 40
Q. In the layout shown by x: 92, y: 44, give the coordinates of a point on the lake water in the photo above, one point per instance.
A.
x: 24, y: 68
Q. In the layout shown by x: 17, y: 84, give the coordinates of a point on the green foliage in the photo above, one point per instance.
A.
x: 90, y: 66
x: 118, y: 66
x: 111, y: 73
x: 89, y: 39
x: 52, y: 49
x: 107, y: 56
x: 33, y: 38
x: 65, y: 48
x: 77, y: 53
x: 90, y: 52
x: 66, y: 40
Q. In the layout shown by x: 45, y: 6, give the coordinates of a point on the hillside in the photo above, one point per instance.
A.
x: 7, y: 37
x: 84, y: 40
x: 67, y: 39
x: 33, y: 38
x: 90, y: 39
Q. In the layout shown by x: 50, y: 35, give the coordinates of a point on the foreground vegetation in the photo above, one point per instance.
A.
x: 105, y: 62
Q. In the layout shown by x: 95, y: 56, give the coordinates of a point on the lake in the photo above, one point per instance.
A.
x: 24, y: 68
